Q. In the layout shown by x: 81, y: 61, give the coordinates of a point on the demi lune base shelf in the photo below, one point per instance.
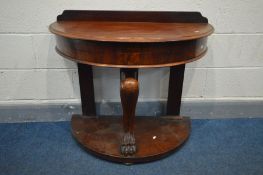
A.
x: 156, y: 137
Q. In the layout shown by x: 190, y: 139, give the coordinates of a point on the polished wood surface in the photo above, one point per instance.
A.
x: 130, y: 31
x: 155, y: 138
x: 131, y: 55
x: 129, y: 92
x: 130, y: 40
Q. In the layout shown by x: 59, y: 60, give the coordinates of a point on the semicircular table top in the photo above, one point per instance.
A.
x: 131, y: 31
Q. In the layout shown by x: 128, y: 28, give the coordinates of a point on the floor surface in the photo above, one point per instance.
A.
x: 218, y: 147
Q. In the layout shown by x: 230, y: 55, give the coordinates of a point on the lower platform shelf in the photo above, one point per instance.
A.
x: 156, y: 137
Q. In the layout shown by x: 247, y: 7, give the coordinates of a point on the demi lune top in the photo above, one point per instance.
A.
x: 130, y: 31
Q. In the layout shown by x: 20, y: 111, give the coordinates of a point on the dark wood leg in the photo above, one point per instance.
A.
x: 175, y: 89
x: 129, y: 92
x: 86, y: 89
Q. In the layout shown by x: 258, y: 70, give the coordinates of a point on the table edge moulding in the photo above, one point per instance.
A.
x: 130, y: 40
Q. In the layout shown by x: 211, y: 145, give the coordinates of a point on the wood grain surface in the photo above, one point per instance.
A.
x: 130, y: 31
x: 155, y: 138
x: 131, y: 39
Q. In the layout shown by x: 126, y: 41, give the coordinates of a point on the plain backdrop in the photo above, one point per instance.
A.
x: 32, y: 72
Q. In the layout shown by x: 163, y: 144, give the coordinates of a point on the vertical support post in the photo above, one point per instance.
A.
x: 175, y: 89
x: 129, y: 92
x: 86, y: 89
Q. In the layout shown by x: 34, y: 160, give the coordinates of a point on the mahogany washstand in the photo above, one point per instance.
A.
x: 130, y: 40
